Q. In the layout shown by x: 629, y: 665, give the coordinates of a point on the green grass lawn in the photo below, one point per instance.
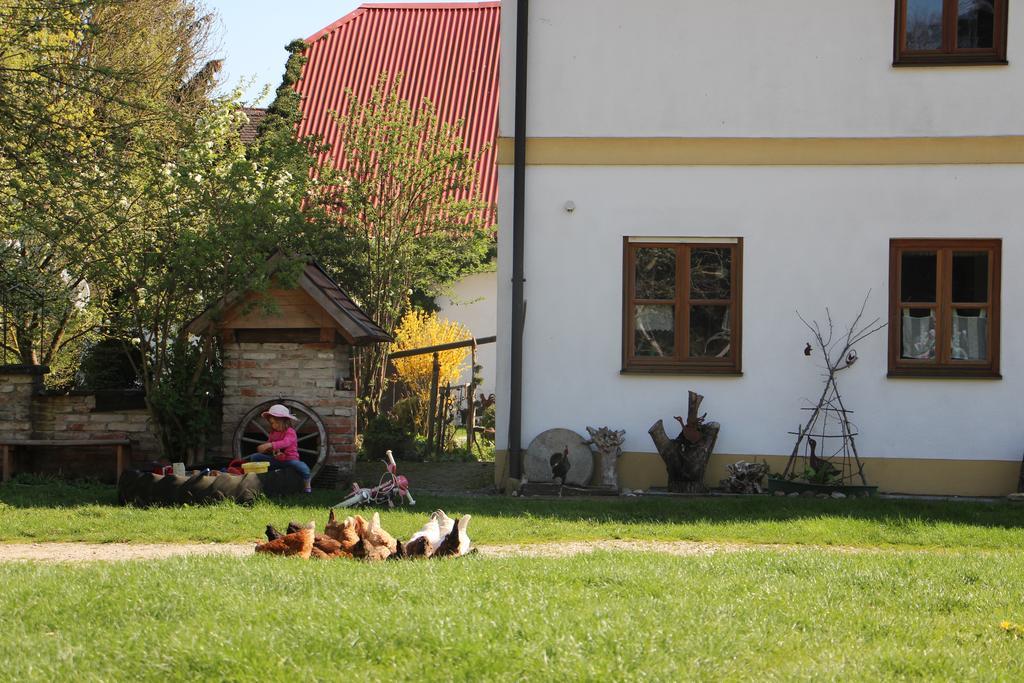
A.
x: 611, y: 616
x: 927, y: 603
x: 48, y: 511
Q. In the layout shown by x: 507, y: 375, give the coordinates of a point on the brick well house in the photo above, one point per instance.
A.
x: 295, y: 349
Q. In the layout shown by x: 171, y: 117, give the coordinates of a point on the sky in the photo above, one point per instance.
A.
x: 252, y: 35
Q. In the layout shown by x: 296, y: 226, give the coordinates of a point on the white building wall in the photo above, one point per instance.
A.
x: 745, y: 68
x: 813, y: 237
x: 472, y: 302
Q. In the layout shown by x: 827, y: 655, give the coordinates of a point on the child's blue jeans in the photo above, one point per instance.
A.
x: 275, y: 464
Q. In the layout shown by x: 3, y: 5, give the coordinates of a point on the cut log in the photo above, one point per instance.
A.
x: 686, y: 457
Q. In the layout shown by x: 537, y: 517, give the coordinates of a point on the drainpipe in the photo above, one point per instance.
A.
x: 515, y: 416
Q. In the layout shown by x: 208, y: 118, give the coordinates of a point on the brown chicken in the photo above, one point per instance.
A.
x: 343, y: 532
x: 297, y: 544
x: 374, y: 542
x: 328, y: 547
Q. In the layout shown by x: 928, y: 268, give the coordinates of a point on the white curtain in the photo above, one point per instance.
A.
x: 970, y: 337
x: 918, y: 336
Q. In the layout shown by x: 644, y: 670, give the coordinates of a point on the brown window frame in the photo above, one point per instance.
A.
x: 943, y: 366
x: 949, y: 54
x: 681, y: 363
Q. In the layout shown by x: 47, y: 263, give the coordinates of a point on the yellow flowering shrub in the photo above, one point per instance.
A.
x: 418, y: 330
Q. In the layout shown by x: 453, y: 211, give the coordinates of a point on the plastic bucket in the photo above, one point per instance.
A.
x: 255, y: 467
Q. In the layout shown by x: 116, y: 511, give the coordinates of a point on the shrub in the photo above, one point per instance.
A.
x: 419, y: 330
x: 383, y: 433
x: 106, y: 366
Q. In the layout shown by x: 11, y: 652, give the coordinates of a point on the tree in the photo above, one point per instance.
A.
x: 138, y: 187
x: 213, y: 215
x: 92, y: 93
x: 407, y: 213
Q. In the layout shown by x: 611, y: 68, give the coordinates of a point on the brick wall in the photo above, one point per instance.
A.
x: 314, y: 374
x: 17, y: 386
x: 74, y: 416
x: 28, y: 413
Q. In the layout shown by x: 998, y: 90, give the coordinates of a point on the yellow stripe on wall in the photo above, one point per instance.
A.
x: 927, y: 476
x: 766, y: 151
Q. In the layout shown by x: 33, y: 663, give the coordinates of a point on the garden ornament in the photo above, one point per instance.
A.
x: 608, y: 445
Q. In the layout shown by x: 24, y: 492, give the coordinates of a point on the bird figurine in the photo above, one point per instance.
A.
x: 823, y: 469
x: 851, y: 358
x: 560, y: 466
x: 807, y: 349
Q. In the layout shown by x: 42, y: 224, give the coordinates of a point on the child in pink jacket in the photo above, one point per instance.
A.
x: 282, y: 447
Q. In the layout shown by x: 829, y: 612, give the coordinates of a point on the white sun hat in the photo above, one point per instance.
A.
x: 280, y: 411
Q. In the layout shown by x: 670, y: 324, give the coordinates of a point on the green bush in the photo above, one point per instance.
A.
x: 106, y: 366
x: 383, y: 433
x: 487, y: 417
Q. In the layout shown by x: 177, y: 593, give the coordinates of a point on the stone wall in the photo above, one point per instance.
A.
x: 317, y: 375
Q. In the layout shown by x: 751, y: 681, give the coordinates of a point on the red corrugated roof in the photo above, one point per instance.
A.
x: 448, y: 54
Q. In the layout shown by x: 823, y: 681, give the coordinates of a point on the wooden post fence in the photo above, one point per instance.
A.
x: 435, y: 379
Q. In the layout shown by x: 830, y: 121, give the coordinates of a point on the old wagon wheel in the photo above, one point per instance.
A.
x: 254, y: 429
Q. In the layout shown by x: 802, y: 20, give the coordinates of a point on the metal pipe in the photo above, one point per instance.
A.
x: 515, y: 408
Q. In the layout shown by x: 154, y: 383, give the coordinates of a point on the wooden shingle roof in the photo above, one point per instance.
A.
x: 351, y: 321
x: 253, y: 117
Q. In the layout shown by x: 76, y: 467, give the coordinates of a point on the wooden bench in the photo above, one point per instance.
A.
x: 122, y: 447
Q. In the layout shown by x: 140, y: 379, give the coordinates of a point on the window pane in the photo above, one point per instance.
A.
x: 970, y: 334
x: 918, y: 333
x: 970, y: 277
x: 710, y: 273
x: 917, y: 282
x: 655, y: 331
x: 655, y: 273
x: 710, y: 333
x: 924, y: 24
x: 975, y: 23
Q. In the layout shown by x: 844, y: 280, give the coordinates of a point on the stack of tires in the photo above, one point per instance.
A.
x: 144, y: 489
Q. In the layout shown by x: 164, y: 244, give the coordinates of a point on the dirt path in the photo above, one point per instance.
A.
x: 110, y: 552
x: 113, y: 552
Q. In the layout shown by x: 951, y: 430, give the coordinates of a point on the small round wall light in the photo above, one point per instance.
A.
x: 570, y: 206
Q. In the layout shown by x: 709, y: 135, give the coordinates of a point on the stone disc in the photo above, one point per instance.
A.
x: 537, y: 463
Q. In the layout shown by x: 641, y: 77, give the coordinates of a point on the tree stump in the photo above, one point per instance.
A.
x: 686, y: 456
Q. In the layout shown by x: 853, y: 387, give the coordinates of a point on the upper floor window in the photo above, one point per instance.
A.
x: 682, y: 305
x: 944, y: 307
x: 950, y: 32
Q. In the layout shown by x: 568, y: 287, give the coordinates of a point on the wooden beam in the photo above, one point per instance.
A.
x: 443, y: 347
x: 120, y: 461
